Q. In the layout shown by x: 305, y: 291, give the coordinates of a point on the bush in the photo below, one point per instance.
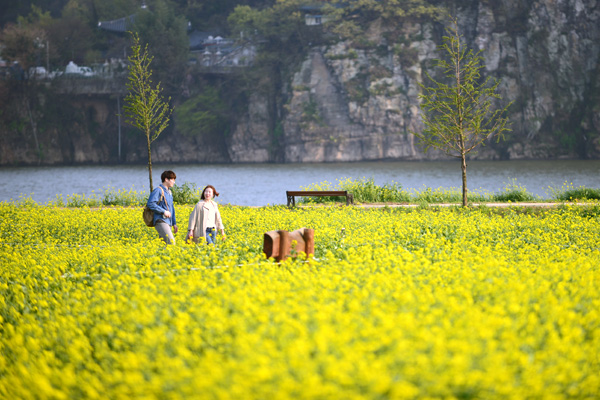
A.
x: 187, y: 193
x: 123, y: 197
x: 513, y: 192
x: 580, y: 193
x: 365, y: 190
x: 569, y: 193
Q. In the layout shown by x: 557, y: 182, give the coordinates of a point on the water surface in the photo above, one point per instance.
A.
x: 262, y: 184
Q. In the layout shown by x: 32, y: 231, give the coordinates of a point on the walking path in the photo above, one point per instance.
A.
x: 519, y: 204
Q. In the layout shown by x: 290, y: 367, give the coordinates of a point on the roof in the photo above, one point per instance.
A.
x: 120, y: 25
x: 197, y: 39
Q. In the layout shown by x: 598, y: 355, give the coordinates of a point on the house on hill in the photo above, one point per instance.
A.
x: 208, y: 50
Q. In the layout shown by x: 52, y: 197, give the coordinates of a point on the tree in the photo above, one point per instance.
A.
x: 144, y: 105
x: 203, y: 114
x: 24, y: 42
x: 460, y: 116
x: 350, y: 19
x: 165, y: 32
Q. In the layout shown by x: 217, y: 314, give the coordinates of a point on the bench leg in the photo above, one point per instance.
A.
x: 291, y: 200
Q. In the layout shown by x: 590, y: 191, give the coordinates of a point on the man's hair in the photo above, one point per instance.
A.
x: 215, y: 193
x: 167, y: 175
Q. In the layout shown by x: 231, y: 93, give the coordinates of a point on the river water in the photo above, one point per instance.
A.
x: 263, y: 184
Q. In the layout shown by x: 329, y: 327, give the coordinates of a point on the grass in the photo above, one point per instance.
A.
x: 366, y: 191
x: 187, y: 193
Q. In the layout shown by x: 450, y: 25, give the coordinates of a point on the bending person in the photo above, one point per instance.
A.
x: 205, y: 219
x: 161, y: 202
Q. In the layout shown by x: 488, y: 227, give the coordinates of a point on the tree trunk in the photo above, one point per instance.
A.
x: 38, y: 150
x: 149, y: 162
x: 463, y: 161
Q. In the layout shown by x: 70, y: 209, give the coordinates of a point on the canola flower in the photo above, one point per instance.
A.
x: 398, y: 304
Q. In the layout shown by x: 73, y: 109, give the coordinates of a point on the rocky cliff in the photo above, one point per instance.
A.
x: 359, y: 101
x: 349, y: 103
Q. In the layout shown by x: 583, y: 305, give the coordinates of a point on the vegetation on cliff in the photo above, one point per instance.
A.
x: 551, y: 76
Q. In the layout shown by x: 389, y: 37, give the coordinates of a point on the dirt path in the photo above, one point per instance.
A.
x: 540, y: 205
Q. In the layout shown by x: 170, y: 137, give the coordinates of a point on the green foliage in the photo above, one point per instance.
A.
x: 357, y: 90
x: 187, y: 193
x: 350, y: 55
x: 567, y: 140
x: 310, y: 112
x: 321, y: 186
x: 428, y: 196
x: 114, y: 9
x: 164, y: 31
x: 366, y: 191
x: 378, y: 71
x: 25, y: 41
x: 514, y: 192
x: 348, y: 19
x: 144, y: 105
x: 568, y: 192
x: 460, y: 116
x: 278, y: 130
x: 205, y: 113
x: 123, y: 197
x: 382, y: 89
x: 275, y: 24
x: 408, y: 56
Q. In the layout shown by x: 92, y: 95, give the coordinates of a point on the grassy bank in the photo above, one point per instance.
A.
x: 366, y: 191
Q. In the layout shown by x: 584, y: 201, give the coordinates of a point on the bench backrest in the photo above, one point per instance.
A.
x: 317, y: 193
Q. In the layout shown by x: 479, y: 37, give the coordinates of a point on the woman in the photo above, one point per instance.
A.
x: 205, y: 219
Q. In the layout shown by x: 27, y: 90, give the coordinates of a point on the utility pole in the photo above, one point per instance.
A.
x: 119, y: 119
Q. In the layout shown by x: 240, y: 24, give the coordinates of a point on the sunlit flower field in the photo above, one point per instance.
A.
x: 396, y: 303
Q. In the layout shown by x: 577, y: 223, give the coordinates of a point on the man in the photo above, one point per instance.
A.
x: 161, y: 202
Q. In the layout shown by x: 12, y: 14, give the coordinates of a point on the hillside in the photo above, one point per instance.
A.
x: 325, y: 92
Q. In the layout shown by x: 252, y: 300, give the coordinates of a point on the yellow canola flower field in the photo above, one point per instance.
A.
x: 395, y: 304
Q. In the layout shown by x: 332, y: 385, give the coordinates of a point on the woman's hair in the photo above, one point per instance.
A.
x: 167, y: 175
x: 215, y: 193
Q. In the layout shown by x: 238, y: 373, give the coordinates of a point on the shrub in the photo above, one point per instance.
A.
x: 187, y: 193
x: 513, y: 192
x: 580, y: 193
x: 568, y: 192
x: 124, y: 197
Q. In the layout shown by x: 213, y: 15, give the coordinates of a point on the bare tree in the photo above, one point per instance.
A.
x: 144, y: 105
x: 460, y: 116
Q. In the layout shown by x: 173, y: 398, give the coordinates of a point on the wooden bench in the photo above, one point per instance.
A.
x: 318, y: 193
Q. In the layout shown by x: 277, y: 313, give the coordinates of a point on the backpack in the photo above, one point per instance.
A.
x: 148, y: 214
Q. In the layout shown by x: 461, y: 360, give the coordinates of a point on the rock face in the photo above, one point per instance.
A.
x: 324, y: 124
x: 353, y: 103
x: 251, y: 141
